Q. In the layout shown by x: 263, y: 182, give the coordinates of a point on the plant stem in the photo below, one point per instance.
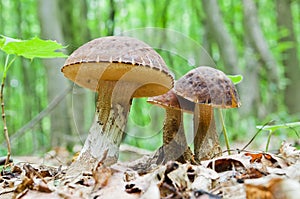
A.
x: 224, y: 131
x: 269, y: 139
x: 5, y: 130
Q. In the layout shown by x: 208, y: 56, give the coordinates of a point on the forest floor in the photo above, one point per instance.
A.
x: 240, y: 175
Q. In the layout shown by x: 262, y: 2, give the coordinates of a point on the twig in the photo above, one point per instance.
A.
x: 41, y: 115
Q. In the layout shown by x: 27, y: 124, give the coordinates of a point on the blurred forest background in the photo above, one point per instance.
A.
x: 257, y: 39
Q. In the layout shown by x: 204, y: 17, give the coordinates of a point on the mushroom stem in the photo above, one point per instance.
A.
x: 173, y: 126
x: 106, y: 132
x: 174, y: 142
x: 206, y: 142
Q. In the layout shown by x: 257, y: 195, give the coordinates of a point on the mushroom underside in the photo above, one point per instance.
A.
x: 88, y: 74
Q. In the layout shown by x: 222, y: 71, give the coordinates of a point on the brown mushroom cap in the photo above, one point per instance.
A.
x: 207, y: 85
x: 171, y: 100
x: 117, y: 58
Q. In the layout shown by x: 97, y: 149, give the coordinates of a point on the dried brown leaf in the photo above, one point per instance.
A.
x: 16, y: 169
x: 271, y: 188
x: 101, y: 176
x: 179, y: 178
x: 251, y: 173
x: 204, y: 178
x: 225, y: 164
x: 27, y: 183
x: 84, y: 180
x: 289, y: 153
x: 130, y: 175
x: 41, y: 186
x: 265, y: 159
x: 142, y: 183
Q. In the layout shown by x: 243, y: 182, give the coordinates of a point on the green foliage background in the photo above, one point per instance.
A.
x: 26, y: 93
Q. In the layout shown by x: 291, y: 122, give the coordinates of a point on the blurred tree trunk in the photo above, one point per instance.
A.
x: 257, y: 41
x: 290, y: 59
x: 250, y: 86
x: 29, y: 80
x: 51, y: 28
x: 73, y: 19
x: 2, y: 24
x: 76, y: 32
x: 217, y: 29
x: 110, y: 23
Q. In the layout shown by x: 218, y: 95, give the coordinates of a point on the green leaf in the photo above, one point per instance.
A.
x: 2, y: 41
x: 33, y: 48
x: 235, y: 78
x: 279, y: 126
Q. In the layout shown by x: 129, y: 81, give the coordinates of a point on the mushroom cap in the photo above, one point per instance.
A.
x: 119, y: 58
x: 171, y: 100
x: 206, y: 85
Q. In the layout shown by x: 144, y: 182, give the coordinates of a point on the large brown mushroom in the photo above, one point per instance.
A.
x: 174, y: 142
x: 208, y: 88
x: 118, y: 68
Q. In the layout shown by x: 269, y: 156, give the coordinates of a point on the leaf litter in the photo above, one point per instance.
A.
x: 241, y: 175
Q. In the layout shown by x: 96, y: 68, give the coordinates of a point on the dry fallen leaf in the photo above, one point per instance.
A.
x: 179, y: 179
x: 271, y: 188
x: 264, y: 158
x: 289, y: 153
x: 251, y: 173
x: 27, y: 183
x: 152, y: 192
x: 41, y: 186
x: 222, y: 164
x: 204, y: 179
x: 293, y: 171
x: 142, y: 183
x: 101, y: 176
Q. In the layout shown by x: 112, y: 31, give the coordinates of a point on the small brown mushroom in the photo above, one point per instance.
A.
x: 174, y: 142
x: 119, y: 68
x: 209, y: 88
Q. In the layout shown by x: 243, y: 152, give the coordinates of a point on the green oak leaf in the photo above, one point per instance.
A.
x: 235, y: 78
x: 33, y: 48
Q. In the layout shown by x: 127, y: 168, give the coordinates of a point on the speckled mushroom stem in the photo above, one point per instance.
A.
x: 105, y: 135
x: 173, y: 126
x: 206, y: 142
x: 174, y: 140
